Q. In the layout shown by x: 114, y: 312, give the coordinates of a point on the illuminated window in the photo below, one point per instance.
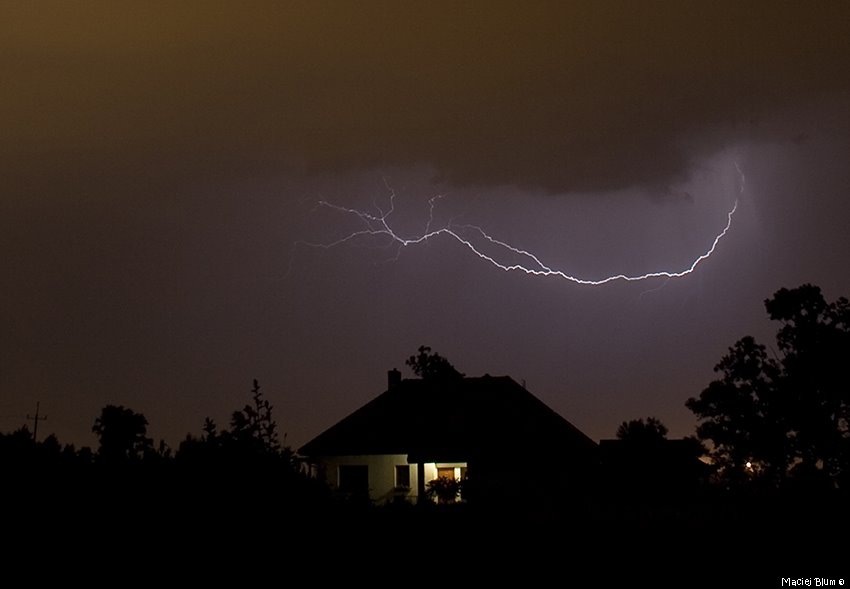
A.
x: 402, y: 476
x: 448, y: 472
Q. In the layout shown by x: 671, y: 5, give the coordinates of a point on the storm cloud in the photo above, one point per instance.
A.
x: 160, y: 159
x: 577, y: 96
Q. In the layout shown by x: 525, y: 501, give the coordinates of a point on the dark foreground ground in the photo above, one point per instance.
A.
x: 242, y: 535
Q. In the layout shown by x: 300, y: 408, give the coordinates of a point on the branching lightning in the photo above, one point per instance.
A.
x: 472, y: 237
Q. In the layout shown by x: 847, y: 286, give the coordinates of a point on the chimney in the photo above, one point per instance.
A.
x: 393, y: 378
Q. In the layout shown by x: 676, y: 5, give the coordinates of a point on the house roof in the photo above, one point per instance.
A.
x: 451, y: 421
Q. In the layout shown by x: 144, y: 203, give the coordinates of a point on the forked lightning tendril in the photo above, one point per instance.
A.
x: 378, y: 225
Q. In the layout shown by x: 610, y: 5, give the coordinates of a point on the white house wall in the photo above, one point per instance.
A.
x: 382, y: 473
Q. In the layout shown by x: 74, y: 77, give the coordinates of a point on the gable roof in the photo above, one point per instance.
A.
x: 456, y: 420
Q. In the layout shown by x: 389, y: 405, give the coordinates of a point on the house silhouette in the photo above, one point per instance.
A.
x: 490, y: 432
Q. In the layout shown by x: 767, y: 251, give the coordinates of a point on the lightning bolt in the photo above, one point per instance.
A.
x: 471, y: 236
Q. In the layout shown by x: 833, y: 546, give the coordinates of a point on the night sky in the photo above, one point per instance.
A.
x: 161, y: 162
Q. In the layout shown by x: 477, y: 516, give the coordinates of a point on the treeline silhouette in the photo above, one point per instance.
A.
x: 771, y: 457
x: 217, y: 486
x: 249, y: 444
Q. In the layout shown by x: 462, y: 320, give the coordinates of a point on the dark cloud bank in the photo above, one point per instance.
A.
x: 557, y: 96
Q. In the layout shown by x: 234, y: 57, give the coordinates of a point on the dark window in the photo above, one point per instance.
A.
x: 354, y: 479
x: 402, y: 476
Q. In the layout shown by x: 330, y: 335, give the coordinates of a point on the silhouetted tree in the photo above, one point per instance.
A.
x: 640, y: 431
x: 122, y: 434
x: 17, y: 449
x: 814, y: 342
x: 252, y: 437
x: 253, y: 427
x: 210, y: 429
x: 429, y: 365
x: 246, y: 464
x: 643, y: 465
x: 771, y: 417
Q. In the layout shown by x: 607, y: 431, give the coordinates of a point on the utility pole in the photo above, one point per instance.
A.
x: 36, y: 418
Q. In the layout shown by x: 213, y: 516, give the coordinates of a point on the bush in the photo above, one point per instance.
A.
x: 445, y: 489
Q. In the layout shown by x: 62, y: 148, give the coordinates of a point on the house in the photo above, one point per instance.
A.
x: 490, y: 432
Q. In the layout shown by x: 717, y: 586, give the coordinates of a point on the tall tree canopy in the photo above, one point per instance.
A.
x: 429, y: 365
x: 122, y: 434
x: 787, y: 414
x: 642, y: 432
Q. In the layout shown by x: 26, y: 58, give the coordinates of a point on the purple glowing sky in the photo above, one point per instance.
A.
x: 159, y: 163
